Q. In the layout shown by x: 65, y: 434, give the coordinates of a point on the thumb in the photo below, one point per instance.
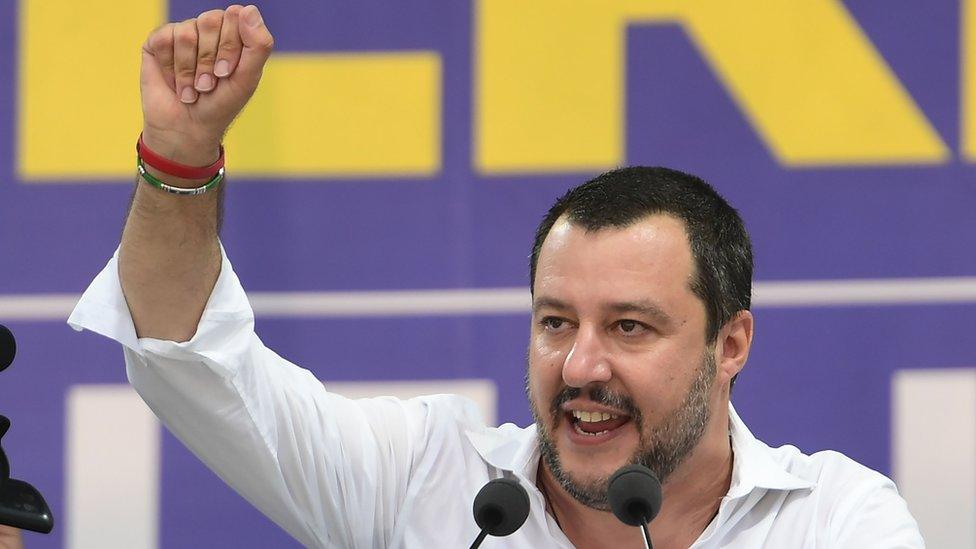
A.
x: 258, y: 44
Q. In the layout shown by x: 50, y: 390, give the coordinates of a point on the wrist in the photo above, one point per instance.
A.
x: 182, y: 149
x: 178, y: 185
x: 174, y: 177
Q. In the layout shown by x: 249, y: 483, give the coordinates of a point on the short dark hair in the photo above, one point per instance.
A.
x: 719, y: 242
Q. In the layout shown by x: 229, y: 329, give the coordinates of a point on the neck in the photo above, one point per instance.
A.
x: 690, y: 502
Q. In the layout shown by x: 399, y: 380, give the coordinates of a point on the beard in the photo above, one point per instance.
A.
x: 661, y: 449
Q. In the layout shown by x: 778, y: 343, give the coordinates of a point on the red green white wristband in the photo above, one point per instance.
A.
x: 214, y: 173
x: 156, y: 182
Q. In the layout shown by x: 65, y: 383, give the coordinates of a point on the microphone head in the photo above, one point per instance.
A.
x: 634, y: 494
x: 8, y: 347
x: 501, y: 506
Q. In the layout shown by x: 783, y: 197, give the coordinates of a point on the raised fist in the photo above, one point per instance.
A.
x: 196, y: 77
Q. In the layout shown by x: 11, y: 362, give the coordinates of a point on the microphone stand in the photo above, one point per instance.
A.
x: 481, y: 537
x: 647, y: 536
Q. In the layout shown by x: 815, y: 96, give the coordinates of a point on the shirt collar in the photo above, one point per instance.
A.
x: 509, y: 448
x: 514, y: 449
x: 753, y: 465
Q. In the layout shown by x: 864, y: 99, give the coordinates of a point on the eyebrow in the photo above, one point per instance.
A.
x: 642, y: 307
x: 548, y: 303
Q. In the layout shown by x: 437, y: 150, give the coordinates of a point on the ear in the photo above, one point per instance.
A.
x: 733, y: 344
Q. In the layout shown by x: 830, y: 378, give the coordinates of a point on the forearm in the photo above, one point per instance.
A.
x: 169, y: 259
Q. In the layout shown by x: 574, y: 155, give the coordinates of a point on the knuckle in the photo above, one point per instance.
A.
x: 206, y: 57
x: 185, y: 36
x: 186, y: 73
x: 161, y: 35
x: 210, y: 20
x: 266, y: 44
x: 151, y: 38
x: 229, y: 47
x: 161, y: 40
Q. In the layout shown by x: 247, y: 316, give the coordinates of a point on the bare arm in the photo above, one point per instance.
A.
x: 169, y: 259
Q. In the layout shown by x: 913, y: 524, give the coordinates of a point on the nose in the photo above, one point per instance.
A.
x: 588, y: 360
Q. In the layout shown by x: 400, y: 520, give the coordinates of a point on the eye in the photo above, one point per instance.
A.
x: 631, y: 327
x: 552, y: 323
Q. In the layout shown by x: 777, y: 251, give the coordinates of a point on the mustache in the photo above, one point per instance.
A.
x: 600, y: 395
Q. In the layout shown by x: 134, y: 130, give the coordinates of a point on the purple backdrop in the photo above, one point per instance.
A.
x: 818, y: 378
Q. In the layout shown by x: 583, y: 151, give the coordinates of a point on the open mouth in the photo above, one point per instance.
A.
x: 595, y: 424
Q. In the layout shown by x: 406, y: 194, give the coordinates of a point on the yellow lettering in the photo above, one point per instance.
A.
x: 343, y: 114
x: 314, y: 114
x: 968, y: 79
x: 79, y: 86
x: 550, y: 82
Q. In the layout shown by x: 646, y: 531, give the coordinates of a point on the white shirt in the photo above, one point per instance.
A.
x: 383, y: 472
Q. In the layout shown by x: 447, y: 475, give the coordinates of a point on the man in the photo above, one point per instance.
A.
x: 641, y: 284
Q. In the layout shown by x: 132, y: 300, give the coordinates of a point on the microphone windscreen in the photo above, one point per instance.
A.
x: 634, y: 494
x: 8, y: 347
x: 501, y: 506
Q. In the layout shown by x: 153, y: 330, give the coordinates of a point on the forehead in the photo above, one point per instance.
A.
x: 649, y: 258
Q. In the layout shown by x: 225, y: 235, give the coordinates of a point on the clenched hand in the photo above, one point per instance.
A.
x: 196, y: 77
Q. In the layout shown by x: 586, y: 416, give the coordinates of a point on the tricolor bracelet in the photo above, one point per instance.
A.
x: 155, y: 182
x: 161, y: 163
x: 145, y: 156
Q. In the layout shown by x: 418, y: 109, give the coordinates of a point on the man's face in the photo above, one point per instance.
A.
x: 618, y: 367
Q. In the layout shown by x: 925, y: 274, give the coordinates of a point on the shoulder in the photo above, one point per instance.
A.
x: 449, y: 419
x: 830, y: 471
x: 456, y: 438
x: 450, y: 410
x: 854, y: 505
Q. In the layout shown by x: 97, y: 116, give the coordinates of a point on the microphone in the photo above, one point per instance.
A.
x: 500, y: 508
x: 8, y: 347
x: 635, y: 497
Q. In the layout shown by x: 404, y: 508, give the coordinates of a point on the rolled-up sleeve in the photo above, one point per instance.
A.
x: 329, y: 470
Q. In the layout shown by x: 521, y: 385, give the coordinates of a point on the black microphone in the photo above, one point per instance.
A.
x: 8, y: 347
x: 500, y: 508
x: 635, y: 497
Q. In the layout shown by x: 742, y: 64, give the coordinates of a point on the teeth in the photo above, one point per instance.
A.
x: 592, y: 417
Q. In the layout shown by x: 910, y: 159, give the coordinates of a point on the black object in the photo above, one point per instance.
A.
x: 4, y: 464
x: 21, y: 505
x: 8, y: 347
x: 500, y: 508
x: 635, y: 497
